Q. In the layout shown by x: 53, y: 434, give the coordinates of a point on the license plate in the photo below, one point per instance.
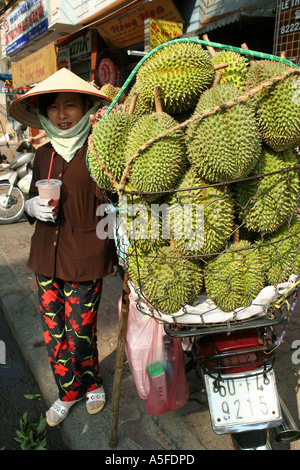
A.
x: 243, y: 401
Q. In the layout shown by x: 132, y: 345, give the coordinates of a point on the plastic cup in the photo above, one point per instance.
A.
x: 49, y: 190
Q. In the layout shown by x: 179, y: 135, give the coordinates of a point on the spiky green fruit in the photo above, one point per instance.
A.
x: 277, y: 106
x: 142, y: 222
x: 184, y: 70
x: 111, y: 91
x: 167, y: 280
x: 236, y: 72
x: 206, y: 232
x: 108, y: 138
x: 235, y: 278
x: 264, y: 204
x: 141, y: 107
x: 279, y: 252
x: 226, y: 145
x: 160, y: 166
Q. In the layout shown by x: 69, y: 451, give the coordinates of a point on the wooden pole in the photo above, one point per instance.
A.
x: 119, y: 364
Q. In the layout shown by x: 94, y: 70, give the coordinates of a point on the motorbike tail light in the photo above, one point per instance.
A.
x: 237, y: 352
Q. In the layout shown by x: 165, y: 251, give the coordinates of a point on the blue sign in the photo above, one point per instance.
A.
x: 41, y: 28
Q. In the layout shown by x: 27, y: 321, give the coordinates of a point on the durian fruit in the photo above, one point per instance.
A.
x: 277, y: 110
x: 236, y: 71
x: 168, y: 281
x: 264, y: 204
x: 226, y: 145
x: 141, y: 107
x: 142, y: 222
x: 209, y: 234
x: 111, y: 91
x: 159, y: 167
x: 108, y: 139
x: 279, y: 252
x: 235, y: 278
x: 184, y: 70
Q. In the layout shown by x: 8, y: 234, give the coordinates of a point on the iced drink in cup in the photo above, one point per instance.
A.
x: 49, y: 190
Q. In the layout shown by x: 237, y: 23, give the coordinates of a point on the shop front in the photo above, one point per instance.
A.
x: 287, y: 30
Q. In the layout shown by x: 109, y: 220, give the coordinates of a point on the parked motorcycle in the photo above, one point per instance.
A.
x: 235, y: 361
x: 15, y: 178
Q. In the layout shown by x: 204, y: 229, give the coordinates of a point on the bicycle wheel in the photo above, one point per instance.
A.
x: 11, y: 205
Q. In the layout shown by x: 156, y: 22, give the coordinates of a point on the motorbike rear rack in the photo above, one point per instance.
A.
x: 274, y: 318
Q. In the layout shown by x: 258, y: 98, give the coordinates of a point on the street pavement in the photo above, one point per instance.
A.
x: 20, y: 394
x: 186, y: 429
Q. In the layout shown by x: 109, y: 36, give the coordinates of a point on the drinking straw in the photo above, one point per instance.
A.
x: 50, y: 167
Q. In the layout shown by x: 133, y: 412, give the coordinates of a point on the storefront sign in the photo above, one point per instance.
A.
x: 6, y: 83
x: 26, y: 22
x: 81, y: 47
x: 106, y: 71
x: 287, y: 30
x: 109, y: 67
x: 128, y: 28
x: 76, y: 50
x: 159, y: 31
x: 35, y: 68
x: 63, y: 58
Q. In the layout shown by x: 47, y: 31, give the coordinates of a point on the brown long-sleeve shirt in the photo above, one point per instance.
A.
x: 70, y: 249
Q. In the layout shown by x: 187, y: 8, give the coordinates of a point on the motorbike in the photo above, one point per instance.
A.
x: 15, y: 179
x: 235, y: 362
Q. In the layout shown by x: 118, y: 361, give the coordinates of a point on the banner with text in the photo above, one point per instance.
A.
x: 159, y: 31
x: 128, y: 28
x: 36, y: 67
x: 27, y: 21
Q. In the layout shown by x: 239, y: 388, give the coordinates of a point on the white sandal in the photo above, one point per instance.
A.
x: 60, y: 410
x: 93, y: 398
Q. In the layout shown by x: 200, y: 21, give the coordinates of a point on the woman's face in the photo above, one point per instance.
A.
x: 66, y: 110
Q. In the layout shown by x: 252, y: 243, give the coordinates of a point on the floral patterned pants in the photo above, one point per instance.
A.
x: 69, y: 313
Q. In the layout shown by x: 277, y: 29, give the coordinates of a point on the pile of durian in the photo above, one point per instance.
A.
x: 238, y: 163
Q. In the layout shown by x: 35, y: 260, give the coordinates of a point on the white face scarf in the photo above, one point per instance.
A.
x: 67, y: 142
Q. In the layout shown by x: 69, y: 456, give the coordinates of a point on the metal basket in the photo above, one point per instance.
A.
x: 142, y: 256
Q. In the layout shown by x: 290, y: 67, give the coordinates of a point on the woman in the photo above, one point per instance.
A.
x: 67, y: 257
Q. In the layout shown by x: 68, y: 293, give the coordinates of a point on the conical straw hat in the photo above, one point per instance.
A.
x: 23, y: 109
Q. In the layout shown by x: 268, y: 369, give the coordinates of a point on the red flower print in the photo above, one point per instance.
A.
x: 98, y: 286
x: 74, y: 325
x: 47, y: 337
x: 60, y: 369
x: 71, y: 345
x: 50, y: 322
x: 92, y: 388
x: 74, y: 300
x: 70, y: 396
x: 68, y: 309
x: 49, y: 296
x: 88, y: 362
x: 60, y: 347
x: 88, y: 317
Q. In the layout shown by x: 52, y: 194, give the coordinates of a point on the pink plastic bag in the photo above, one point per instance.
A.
x: 156, y: 362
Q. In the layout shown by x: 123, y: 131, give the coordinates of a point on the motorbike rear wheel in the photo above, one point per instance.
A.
x: 11, y: 204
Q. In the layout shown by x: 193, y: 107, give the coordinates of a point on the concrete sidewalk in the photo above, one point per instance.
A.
x: 185, y: 429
